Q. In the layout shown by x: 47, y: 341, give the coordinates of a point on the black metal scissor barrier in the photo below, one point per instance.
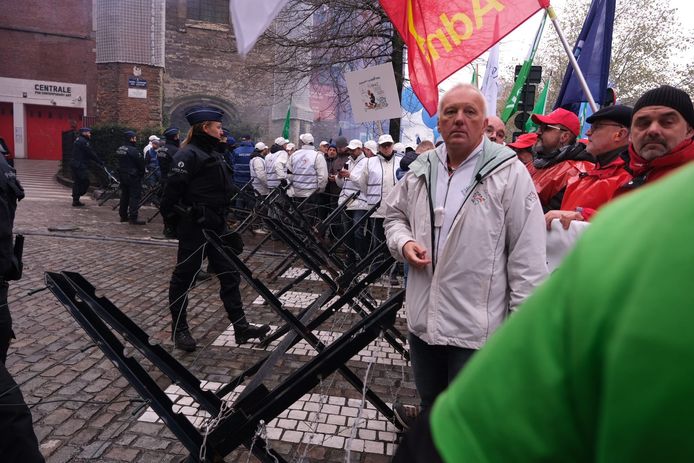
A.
x: 236, y: 426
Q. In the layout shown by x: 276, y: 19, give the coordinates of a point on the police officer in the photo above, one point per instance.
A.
x: 241, y: 160
x: 132, y: 170
x: 196, y: 197
x: 166, y: 151
x: 18, y: 442
x: 82, y: 152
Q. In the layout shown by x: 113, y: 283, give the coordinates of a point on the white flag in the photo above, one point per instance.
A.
x: 490, y: 84
x: 250, y: 18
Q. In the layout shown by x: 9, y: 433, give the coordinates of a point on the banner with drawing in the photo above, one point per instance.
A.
x: 373, y: 93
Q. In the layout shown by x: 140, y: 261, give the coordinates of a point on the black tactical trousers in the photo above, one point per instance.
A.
x: 130, y: 194
x: 190, y: 258
x: 80, y: 182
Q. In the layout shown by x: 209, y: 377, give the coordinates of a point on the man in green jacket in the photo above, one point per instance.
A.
x: 597, y: 366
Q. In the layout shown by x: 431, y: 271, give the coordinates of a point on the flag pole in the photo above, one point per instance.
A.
x: 581, y: 80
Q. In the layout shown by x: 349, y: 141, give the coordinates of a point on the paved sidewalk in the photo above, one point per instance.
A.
x: 84, y: 410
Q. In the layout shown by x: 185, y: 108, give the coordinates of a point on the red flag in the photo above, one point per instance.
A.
x: 442, y: 36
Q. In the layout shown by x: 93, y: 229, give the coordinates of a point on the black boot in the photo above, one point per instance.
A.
x: 136, y: 221
x: 77, y: 203
x: 244, y: 333
x: 183, y: 340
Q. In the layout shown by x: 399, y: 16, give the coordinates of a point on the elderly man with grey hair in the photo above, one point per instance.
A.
x: 467, y: 219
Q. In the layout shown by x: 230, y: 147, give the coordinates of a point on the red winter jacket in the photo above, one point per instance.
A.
x: 551, y: 181
x: 592, y: 189
x: 646, y: 172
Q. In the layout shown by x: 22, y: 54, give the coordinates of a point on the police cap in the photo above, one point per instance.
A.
x: 198, y: 114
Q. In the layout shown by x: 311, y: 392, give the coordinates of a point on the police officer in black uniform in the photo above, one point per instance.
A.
x: 165, y: 154
x: 196, y: 197
x: 167, y: 151
x: 132, y: 171
x: 82, y: 152
x: 18, y: 442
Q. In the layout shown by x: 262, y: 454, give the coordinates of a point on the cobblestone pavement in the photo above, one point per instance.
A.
x: 83, y: 409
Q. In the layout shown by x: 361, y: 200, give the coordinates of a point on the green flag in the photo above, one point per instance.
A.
x: 512, y: 102
x: 540, y: 107
x: 285, y: 131
x: 474, y: 76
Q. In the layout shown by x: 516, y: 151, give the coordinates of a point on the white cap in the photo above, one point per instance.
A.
x: 290, y: 146
x: 153, y: 137
x: 386, y: 138
x: 399, y: 148
x: 354, y: 144
x: 372, y: 145
x: 323, y: 143
x: 260, y: 146
x: 306, y: 138
x: 281, y: 141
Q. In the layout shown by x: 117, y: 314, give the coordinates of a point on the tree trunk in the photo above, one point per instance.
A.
x: 396, y: 57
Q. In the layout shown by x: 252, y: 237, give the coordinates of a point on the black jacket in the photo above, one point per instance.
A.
x: 165, y: 156
x: 199, y: 177
x: 82, y: 152
x: 130, y: 160
x: 11, y: 191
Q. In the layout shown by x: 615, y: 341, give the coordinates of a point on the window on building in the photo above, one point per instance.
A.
x: 214, y: 11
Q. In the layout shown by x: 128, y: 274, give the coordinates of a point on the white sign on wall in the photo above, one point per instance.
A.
x: 373, y: 93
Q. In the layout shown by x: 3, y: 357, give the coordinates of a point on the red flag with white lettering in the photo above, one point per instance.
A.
x: 442, y: 36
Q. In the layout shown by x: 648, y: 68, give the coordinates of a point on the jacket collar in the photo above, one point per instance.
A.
x: 493, y: 155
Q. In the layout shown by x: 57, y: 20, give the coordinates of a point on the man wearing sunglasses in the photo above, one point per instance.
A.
x: 559, y: 156
x: 608, y: 138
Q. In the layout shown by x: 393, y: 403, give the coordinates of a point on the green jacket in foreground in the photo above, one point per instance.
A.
x: 597, y: 365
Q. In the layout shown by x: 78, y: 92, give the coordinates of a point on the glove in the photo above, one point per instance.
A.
x: 284, y: 183
x: 233, y: 241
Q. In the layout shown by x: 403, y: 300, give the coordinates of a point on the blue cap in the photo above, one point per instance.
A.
x: 198, y: 114
x: 85, y: 129
x: 129, y: 134
x: 171, y: 132
x: 332, y: 145
x: 231, y: 140
x: 226, y: 132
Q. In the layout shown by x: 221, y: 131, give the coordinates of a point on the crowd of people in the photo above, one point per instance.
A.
x: 469, y: 215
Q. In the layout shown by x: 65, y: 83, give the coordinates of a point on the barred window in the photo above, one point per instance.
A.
x: 213, y: 11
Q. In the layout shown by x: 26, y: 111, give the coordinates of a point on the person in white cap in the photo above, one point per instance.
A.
x: 276, y: 163
x: 259, y: 176
x: 377, y: 179
x: 323, y: 147
x: 370, y: 148
x: 291, y: 147
x: 399, y: 149
x: 258, y: 173
x: 307, y: 174
x: 356, y: 209
x: 146, y: 149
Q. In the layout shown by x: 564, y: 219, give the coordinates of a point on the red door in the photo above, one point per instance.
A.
x: 7, y: 125
x: 44, y: 128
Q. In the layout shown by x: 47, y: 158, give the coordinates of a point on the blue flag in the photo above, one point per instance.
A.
x: 593, y: 51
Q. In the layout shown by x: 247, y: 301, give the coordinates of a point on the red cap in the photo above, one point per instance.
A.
x: 524, y: 141
x: 562, y: 117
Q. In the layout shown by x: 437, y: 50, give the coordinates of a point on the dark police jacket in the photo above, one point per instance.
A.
x: 82, y: 152
x: 165, y: 155
x: 11, y: 191
x: 199, y: 179
x: 130, y: 160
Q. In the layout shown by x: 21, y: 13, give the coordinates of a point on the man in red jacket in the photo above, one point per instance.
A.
x: 558, y: 156
x: 608, y: 138
x: 662, y: 129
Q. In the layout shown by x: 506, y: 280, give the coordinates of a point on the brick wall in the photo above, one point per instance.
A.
x: 49, y: 41
x: 202, y: 65
x: 112, y: 95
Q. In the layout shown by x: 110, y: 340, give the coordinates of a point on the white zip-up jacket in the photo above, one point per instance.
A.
x: 259, y: 175
x: 378, y: 178
x: 276, y: 168
x: 307, y: 172
x: 350, y: 186
x: 493, y: 258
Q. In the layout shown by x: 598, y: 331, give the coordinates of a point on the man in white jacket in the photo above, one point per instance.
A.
x: 307, y: 173
x: 467, y: 219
